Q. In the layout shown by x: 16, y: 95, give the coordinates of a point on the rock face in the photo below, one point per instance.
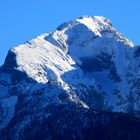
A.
x: 79, y: 82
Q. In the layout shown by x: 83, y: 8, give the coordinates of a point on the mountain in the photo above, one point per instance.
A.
x: 79, y: 82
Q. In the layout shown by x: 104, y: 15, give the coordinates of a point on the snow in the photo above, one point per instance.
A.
x: 108, y: 86
x: 91, y: 24
x: 58, y: 57
x: 41, y: 60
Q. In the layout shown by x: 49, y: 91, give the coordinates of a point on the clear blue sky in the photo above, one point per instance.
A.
x: 21, y: 20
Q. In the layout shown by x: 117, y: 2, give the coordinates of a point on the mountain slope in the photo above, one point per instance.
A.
x: 82, y: 68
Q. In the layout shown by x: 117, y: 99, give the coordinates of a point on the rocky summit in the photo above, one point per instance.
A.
x: 79, y: 82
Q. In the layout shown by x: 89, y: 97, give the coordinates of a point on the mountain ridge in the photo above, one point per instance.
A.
x: 85, y: 64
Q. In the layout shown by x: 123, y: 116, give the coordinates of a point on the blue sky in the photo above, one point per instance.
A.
x: 21, y: 20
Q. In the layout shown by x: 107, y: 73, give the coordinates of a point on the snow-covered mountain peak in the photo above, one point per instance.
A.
x: 83, y: 66
x: 92, y: 22
x: 98, y: 25
x: 73, y: 44
x: 76, y: 51
x: 39, y: 59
